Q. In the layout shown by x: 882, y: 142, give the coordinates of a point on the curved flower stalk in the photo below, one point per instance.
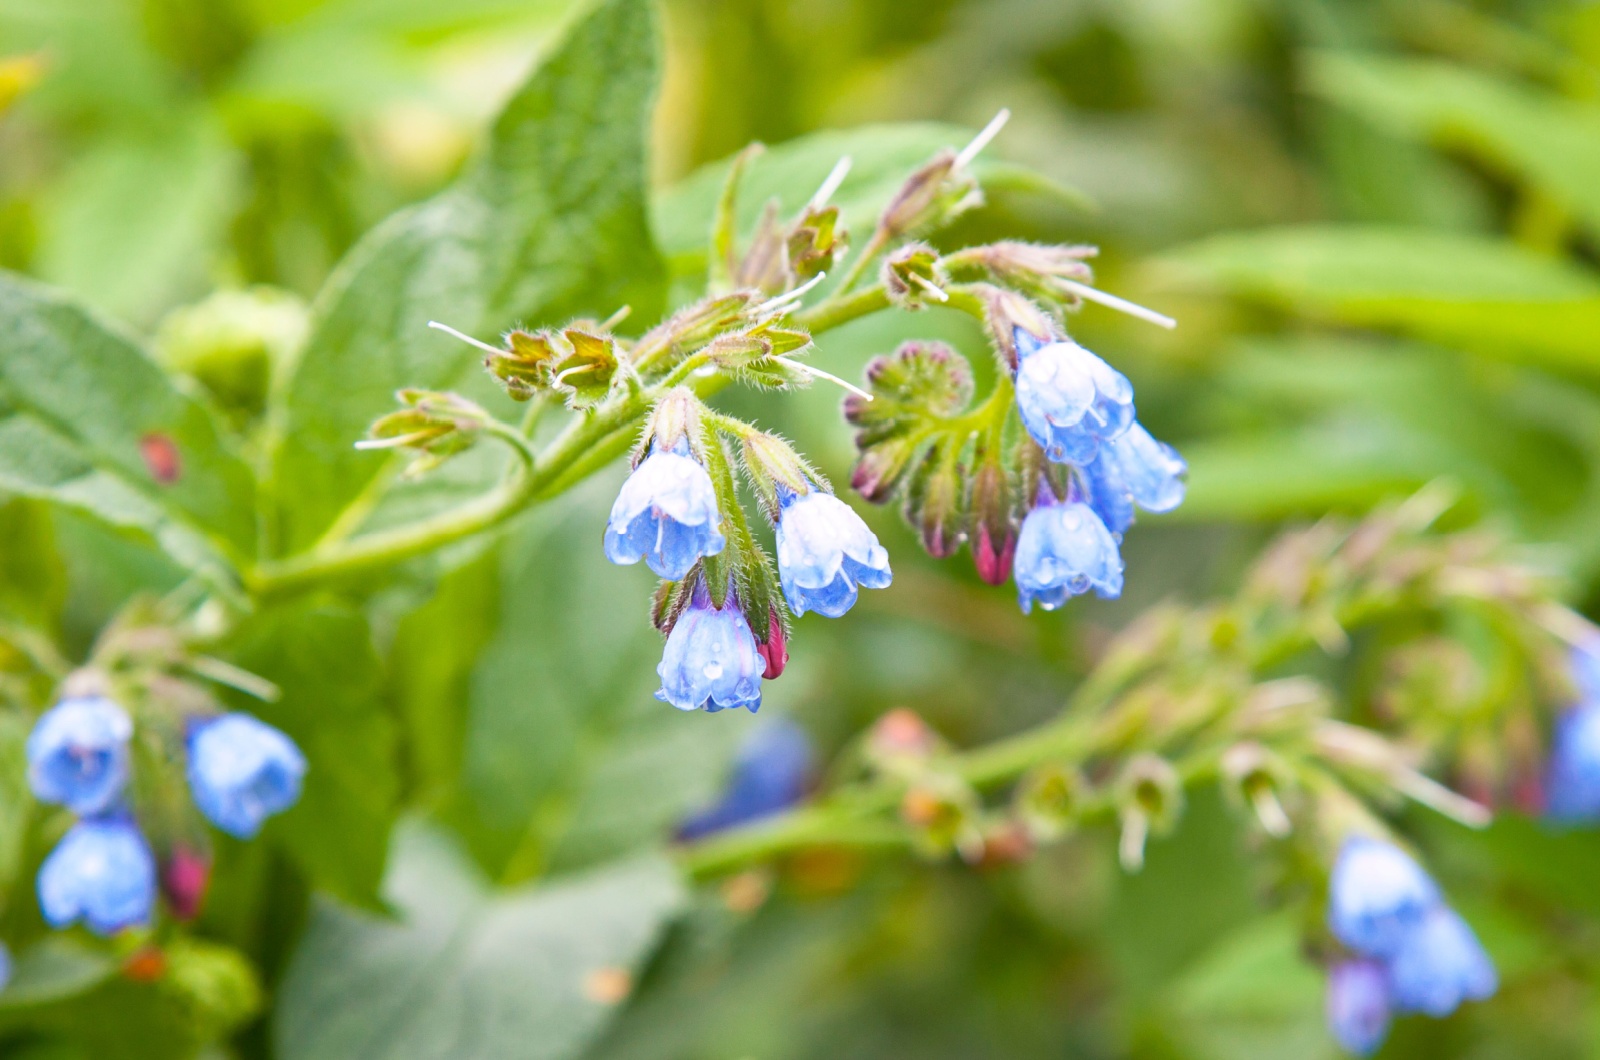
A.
x: 1183, y: 698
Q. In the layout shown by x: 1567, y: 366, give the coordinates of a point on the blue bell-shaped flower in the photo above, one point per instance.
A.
x: 825, y: 552
x: 711, y: 661
x: 78, y: 754
x: 1064, y: 550
x: 102, y: 873
x: 1070, y: 400
x: 1359, y: 1008
x: 666, y: 514
x: 1438, y: 965
x: 1377, y: 893
x: 242, y: 771
x: 1134, y: 469
x: 769, y: 776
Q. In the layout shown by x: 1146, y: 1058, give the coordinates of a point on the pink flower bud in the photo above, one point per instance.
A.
x: 184, y: 879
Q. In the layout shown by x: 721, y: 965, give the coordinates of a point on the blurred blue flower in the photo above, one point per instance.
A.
x: 711, y: 661
x: 1438, y: 965
x: 824, y: 552
x: 1376, y: 893
x: 241, y: 771
x: 769, y: 776
x: 1064, y: 550
x: 5, y: 965
x: 1358, y: 1005
x: 1070, y: 400
x: 101, y: 872
x: 1572, y: 777
x: 666, y: 514
x: 78, y: 754
x: 1584, y: 661
x: 1134, y: 469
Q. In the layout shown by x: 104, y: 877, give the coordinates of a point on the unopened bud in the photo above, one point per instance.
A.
x: 900, y: 743
x: 943, y: 811
x: 933, y: 506
x: 993, y: 533
x: 675, y: 418
x: 436, y: 425
x: 1047, y: 800
x: 931, y: 198
x: 775, y: 647
x: 184, y: 880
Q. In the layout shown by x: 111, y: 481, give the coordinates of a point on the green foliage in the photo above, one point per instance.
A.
x: 471, y: 972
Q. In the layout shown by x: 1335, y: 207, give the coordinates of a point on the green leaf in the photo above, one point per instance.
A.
x: 16, y: 801
x: 54, y: 970
x: 882, y: 157
x: 1483, y: 295
x: 32, y: 577
x: 570, y: 757
x: 321, y: 657
x: 89, y: 422
x: 471, y: 973
x: 1536, y: 136
x: 551, y: 224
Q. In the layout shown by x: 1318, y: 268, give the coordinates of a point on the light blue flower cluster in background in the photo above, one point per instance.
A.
x: 1572, y: 776
x: 103, y: 872
x: 1080, y: 411
x: 1412, y: 952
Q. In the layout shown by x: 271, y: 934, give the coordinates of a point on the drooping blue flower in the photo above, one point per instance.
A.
x: 78, y: 754
x: 825, y: 552
x: 102, y: 873
x: 1134, y: 469
x: 1070, y: 400
x: 5, y: 965
x: 1377, y: 893
x: 1572, y: 776
x: 1359, y: 1007
x: 711, y: 661
x: 242, y: 771
x: 666, y: 514
x: 1438, y: 965
x: 1064, y: 550
x: 769, y: 776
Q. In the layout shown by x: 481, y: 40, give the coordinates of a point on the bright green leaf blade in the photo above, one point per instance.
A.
x: 322, y: 659
x: 470, y: 973
x: 1538, y: 137
x: 550, y: 225
x: 88, y: 421
x: 54, y: 970
x: 570, y: 757
x: 1482, y: 295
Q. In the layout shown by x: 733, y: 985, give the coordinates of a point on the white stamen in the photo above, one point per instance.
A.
x: 831, y: 182
x: 979, y: 142
x: 1094, y: 294
x: 933, y: 289
x: 448, y: 330
x: 1432, y: 794
x: 820, y: 374
x: 616, y: 318
x: 395, y: 442
x: 784, y: 300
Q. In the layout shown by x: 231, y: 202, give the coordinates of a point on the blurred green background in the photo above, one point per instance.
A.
x: 1376, y: 220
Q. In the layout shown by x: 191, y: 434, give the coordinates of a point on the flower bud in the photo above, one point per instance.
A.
x: 185, y: 878
x: 942, y: 809
x: 993, y: 533
x: 879, y: 468
x: 1012, y: 318
x: 816, y: 241
x: 932, y: 197
x: 1047, y: 800
x: 434, y: 424
x: 933, y: 505
x: 900, y: 743
x: 775, y: 648
x: 234, y: 342
x: 912, y: 275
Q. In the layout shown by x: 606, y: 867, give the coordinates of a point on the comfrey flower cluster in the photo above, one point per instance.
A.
x: 725, y: 626
x: 1410, y: 951
x: 103, y: 872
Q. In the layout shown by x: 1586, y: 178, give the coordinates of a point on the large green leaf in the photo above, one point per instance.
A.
x: 470, y: 973
x: 549, y: 225
x: 570, y: 758
x: 1478, y: 294
x: 80, y: 404
x: 322, y: 659
x: 1541, y: 138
